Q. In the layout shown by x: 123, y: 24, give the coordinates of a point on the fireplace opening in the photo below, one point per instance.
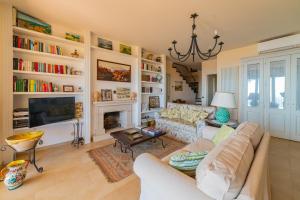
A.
x: 112, y: 120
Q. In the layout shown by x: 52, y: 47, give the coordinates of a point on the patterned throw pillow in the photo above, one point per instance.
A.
x: 187, y: 162
x: 164, y: 113
x: 174, y: 113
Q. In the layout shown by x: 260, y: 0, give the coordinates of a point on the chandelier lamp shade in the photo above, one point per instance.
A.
x: 194, y: 49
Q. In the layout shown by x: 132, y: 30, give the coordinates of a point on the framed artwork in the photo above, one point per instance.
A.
x: 112, y: 71
x: 178, y: 86
x: 106, y: 44
x: 154, y: 102
x: 123, y: 93
x: 125, y: 49
x: 106, y: 95
x: 68, y: 88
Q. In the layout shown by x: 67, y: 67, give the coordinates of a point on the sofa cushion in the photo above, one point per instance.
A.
x: 223, y: 133
x: 174, y: 113
x: 164, y: 113
x: 251, y: 130
x: 222, y: 173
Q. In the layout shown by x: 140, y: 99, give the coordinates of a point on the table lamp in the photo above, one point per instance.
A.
x: 223, y: 101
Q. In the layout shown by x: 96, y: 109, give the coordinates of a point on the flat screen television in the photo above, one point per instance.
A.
x: 44, y: 111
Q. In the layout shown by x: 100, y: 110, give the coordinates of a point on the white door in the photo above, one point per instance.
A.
x: 252, y: 89
x: 277, y: 97
x: 295, y: 98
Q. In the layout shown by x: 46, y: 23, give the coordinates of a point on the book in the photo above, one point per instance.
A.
x: 135, y: 136
x: 152, y: 131
x: 132, y: 131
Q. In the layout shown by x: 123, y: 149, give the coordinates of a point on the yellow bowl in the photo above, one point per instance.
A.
x: 24, y: 141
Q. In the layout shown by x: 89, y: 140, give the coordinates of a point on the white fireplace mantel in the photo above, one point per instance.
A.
x: 100, y: 108
x: 113, y: 103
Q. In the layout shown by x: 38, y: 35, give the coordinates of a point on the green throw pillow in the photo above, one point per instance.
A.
x: 223, y: 133
x: 187, y: 161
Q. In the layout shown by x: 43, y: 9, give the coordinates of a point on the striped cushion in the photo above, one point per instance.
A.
x: 222, y: 173
x: 252, y: 131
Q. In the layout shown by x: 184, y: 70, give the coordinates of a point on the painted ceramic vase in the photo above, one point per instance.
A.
x: 15, y: 173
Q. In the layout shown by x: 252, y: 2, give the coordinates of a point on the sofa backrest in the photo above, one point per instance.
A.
x: 208, y: 109
x: 257, y: 184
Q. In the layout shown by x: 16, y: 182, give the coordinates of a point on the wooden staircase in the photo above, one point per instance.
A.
x: 187, y: 74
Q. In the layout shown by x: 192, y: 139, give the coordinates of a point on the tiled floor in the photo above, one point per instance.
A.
x: 71, y: 174
x: 284, y: 159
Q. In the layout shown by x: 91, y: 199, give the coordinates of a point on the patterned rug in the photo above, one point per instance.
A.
x: 116, y: 165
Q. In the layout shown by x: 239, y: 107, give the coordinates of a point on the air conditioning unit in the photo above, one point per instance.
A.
x: 279, y: 44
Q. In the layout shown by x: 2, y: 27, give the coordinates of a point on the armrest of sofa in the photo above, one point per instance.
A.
x: 160, y: 181
x: 156, y: 115
x: 208, y: 132
x: 200, y: 124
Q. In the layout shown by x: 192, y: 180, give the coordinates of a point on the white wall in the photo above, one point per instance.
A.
x: 232, y: 58
x: 208, y: 67
x: 187, y: 94
x: 5, y: 78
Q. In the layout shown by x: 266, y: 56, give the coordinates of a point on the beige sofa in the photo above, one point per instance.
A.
x: 159, y: 181
x: 179, y: 127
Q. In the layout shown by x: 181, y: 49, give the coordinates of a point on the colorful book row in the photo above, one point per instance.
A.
x: 25, y: 43
x: 25, y: 65
x: 28, y: 85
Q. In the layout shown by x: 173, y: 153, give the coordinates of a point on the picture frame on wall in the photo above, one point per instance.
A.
x: 154, y: 102
x: 112, y: 71
x: 68, y: 88
x: 105, y: 44
x: 178, y: 86
x: 125, y: 49
x: 123, y: 93
x: 106, y: 95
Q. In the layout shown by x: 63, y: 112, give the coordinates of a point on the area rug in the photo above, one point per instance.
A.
x: 116, y: 165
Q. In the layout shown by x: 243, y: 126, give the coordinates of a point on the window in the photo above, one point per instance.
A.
x: 253, y: 85
x: 277, y: 84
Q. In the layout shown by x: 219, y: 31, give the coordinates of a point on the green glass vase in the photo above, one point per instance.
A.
x: 222, y: 115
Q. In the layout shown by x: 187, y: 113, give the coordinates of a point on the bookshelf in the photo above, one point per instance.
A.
x: 80, y: 80
x: 154, y: 86
x: 45, y: 74
x: 35, y: 34
x: 48, y: 93
x: 44, y: 54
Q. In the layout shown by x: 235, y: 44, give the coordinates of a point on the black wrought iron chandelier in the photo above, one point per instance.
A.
x: 194, y: 48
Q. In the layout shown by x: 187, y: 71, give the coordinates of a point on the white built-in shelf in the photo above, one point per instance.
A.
x: 48, y: 93
x: 71, y: 121
x: 46, y: 74
x: 149, y: 71
x: 151, y: 61
x: 26, y: 32
x: 145, y: 93
x: 46, y: 54
x: 149, y: 82
x: 112, y: 51
x: 151, y: 111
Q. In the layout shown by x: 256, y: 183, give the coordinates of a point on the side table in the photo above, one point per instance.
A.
x: 215, y: 123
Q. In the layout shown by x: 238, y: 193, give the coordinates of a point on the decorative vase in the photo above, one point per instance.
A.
x: 222, y: 115
x: 15, y: 173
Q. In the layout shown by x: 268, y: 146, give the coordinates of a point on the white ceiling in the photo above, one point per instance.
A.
x: 154, y: 24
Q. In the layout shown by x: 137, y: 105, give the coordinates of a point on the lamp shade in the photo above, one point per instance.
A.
x: 224, y: 99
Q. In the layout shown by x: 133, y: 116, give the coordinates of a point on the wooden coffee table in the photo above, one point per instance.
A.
x: 126, y: 143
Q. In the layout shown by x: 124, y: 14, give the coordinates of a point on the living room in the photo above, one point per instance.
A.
x: 149, y: 99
